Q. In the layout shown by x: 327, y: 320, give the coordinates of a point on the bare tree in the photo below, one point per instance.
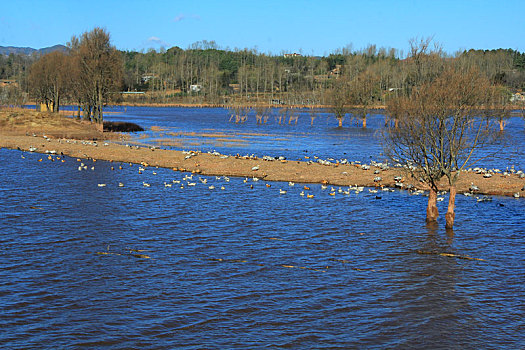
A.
x: 100, y: 69
x: 364, y: 90
x: 48, y: 79
x: 261, y: 113
x: 441, y: 126
x: 498, y: 105
x: 314, y: 113
x: 337, y: 100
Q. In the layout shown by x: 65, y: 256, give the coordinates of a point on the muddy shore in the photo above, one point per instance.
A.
x: 286, y: 170
x: 30, y: 130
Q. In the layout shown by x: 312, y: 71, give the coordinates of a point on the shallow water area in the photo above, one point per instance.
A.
x: 208, y: 129
x: 91, y: 264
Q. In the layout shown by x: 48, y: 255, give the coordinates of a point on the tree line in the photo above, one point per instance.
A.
x: 92, y: 72
x: 87, y: 75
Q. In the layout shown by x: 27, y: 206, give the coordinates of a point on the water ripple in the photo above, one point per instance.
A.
x: 104, y: 268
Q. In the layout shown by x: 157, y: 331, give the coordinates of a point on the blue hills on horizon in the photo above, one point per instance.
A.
x: 7, y: 50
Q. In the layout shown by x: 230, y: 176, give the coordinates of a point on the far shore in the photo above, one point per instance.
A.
x: 204, y: 105
x: 26, y: 131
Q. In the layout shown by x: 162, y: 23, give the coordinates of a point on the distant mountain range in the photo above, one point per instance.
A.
x: 6, y: 50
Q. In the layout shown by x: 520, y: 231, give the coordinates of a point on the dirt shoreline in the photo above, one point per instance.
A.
x: 287, y: 170
x: 25, y: 130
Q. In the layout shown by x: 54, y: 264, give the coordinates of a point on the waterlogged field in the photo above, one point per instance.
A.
x: 105, y: 257
x: 209, y: 129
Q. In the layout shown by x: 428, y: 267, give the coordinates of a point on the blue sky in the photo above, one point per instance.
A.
x: 311, y: 27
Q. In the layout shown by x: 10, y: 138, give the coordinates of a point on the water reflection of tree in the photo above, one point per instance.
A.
x: 430, y: 305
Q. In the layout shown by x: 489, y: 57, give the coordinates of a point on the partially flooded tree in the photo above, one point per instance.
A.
x: 521, y: 105
x: 364, y: 90
x: 282, y: 114
x: 313, y: 111
x: 441, y: 126
x: 498, y: 105
x: 262, y: 112
x: 337, y: 99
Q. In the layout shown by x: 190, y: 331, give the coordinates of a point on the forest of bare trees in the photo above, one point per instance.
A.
x: 88, y: 75
x: 348, y: 82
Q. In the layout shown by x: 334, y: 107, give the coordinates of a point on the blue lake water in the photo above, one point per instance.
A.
x: 294, y: 141
x: 159, y: 267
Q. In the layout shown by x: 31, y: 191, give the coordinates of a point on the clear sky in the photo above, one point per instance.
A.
x: 311, y: 27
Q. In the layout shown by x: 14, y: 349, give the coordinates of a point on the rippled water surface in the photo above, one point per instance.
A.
x: 208, y: 129
x: 85, y: 266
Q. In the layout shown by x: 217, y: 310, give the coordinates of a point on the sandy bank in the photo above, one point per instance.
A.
x: 296, y: 171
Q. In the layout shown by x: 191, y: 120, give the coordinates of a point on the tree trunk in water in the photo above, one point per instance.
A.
x: 451, y: 206
x: 501, y: 125
x: 432, y: 210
